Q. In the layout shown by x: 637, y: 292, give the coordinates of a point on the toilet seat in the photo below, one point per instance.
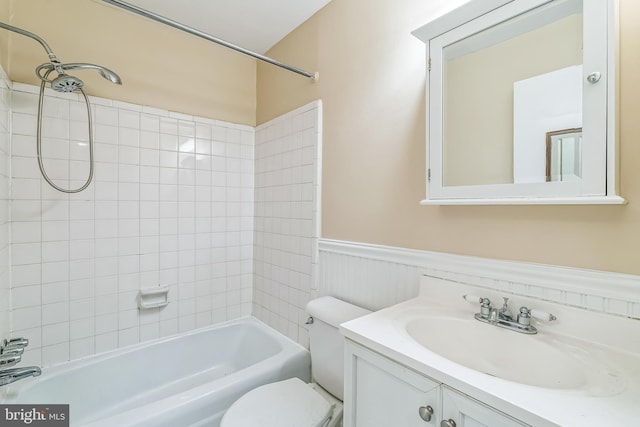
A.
x: 289, y: 403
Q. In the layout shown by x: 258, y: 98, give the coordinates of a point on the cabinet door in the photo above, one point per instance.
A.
x: 381, y: 393
x: 465, y: 411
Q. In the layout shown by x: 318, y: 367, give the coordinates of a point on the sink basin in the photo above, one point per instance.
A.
x: 527, y: 359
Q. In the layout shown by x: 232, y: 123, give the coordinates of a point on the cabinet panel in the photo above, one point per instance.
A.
x: 468, y: 412
x: 380, y: 393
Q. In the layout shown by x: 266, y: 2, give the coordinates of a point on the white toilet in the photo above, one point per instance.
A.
x: 292, y: 402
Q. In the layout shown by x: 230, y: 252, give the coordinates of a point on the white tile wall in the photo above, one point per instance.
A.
x: 171, y: 204
x: 5, y: 250
x: 287, y: 227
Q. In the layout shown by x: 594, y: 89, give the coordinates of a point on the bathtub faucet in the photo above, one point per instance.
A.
x: 12, y: 375
x: 11, y: 354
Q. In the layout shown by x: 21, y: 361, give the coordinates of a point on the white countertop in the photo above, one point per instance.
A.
x: 612, y: 342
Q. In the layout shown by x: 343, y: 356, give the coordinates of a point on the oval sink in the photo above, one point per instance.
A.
x: 527, y: 359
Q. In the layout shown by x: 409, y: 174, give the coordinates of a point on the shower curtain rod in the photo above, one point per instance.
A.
x: 190, y: 30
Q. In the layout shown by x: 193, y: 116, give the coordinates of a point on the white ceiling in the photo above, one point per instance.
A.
x: 256, y: 25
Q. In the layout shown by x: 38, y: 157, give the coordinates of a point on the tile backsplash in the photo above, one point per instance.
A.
x: 171, y: 204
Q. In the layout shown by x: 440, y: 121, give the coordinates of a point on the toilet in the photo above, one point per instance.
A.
x: 292, y: 402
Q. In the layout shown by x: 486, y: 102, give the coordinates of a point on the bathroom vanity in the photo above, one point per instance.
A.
x: 429, y: 362
x: 387, y: 393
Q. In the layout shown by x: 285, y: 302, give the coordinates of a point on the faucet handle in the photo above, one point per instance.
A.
x: 12, y: 350
x: 485, y: 307
x: 524, y: 317
x: 485, y: 303
x: 543, y: 315
x: 14, y: 345
x: 7, y: 360
x: 472, y: 298
x: 15, y: 342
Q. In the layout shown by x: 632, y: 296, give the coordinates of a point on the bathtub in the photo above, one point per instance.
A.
x: 186, y: 380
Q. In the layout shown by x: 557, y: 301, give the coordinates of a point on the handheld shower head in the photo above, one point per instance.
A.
x: 104, y: 71
x: 62, y: 83
x: 111, y: 76
x: 66, y: 83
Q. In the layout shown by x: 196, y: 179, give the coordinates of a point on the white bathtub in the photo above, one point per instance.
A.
x: 186, y: 380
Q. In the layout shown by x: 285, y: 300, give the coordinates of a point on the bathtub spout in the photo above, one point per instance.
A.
x: 9, y: 376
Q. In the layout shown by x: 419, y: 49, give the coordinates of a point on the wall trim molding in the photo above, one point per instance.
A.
x: 512, y: 275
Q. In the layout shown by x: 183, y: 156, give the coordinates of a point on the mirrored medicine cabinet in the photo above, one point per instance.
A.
x: 521, y: 103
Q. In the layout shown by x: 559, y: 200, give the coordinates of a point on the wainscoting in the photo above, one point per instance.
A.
x: 379, y: 276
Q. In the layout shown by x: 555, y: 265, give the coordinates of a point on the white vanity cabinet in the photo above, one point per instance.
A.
x: 465, y: 411
x: 382, y: 393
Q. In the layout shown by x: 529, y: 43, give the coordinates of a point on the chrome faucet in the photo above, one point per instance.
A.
x: 503, y: 317
x: 11, y: 354
x: 493, y: 316
x: 9, y: 376
x: 9, y: 359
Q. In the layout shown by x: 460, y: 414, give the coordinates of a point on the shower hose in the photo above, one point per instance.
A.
x: 39, y: 141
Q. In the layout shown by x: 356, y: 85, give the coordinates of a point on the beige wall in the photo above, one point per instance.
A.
x: 478, y: 119
x: 372, y: 78
x: 4, y: 36
x: 160, y: 66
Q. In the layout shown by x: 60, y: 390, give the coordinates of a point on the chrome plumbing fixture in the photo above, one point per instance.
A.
x: 68, y: 83
x: 63, y: 82
x: 502, y: 314
x: 10, y: 354
x: 9, y: 359
x: 504, y: 318
x: 13, y: 344
x: 11, y: 351
x: 166, y: 21
x: 9, y: 376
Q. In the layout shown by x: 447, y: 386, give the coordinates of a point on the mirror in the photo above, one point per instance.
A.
x: 482, y: 76
x: 519, y: 101
x: 543, y: 104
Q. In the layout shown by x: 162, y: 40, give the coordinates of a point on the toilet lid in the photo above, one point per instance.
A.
x: 289, y: 403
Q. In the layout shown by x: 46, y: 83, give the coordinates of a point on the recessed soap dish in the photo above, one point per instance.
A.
x: 155, y: 297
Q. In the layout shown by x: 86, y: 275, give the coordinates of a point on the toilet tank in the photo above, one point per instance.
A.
x: 326, y: 344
